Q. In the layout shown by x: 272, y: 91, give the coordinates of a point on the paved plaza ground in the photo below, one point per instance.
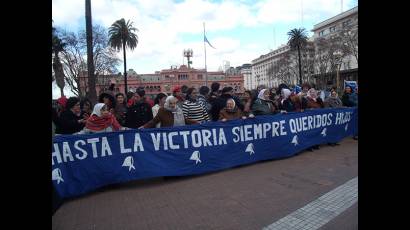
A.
x: 248, y: 197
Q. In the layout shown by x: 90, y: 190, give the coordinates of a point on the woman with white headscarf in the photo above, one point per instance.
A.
x: 100, y: 121
x: 263, y: 105
x: 169, y: 115
x: 286, y: 104
x: 231, y: 111
x: 290, y: 102
x: 313, y: 101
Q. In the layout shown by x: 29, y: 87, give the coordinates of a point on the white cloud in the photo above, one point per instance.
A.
x: 57, y: 93
x: 65, y: 13
x: 274, y: 11
x: 163, y: 24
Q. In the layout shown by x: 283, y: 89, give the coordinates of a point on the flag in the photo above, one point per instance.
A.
x: 206, y: 40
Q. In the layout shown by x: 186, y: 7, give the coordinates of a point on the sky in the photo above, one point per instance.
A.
x: 240, y: 30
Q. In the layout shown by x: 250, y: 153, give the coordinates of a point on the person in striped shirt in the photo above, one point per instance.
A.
x: 193, y: 109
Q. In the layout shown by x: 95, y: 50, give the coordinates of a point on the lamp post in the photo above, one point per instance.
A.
x: 257, y: 80
x: 338, y: 56
x: 188, y: 53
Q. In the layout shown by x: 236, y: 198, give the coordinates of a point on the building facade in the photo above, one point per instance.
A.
x: 345, y: 27
x: 246, y: 71
x: 267, y: 69
x: 281, y: 66
x: 261, y: 65
x: 166, y: 80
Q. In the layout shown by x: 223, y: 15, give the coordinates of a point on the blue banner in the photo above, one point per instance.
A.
x: 83, y: 163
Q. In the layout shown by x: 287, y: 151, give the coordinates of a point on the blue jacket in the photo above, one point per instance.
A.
x: 349, y: 99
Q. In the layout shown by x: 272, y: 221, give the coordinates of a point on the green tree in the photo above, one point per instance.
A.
x: 297, y: 40
x: 57, y: 47
x: 122, y: 35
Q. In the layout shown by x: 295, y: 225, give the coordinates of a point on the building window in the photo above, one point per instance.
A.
x: 182, y: 77
x: 332, y: 29
x: 321, y: 33
x: 346, y: 23
x: 199, y: 76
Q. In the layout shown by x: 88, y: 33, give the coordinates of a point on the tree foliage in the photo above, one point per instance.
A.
x: 74, y: 57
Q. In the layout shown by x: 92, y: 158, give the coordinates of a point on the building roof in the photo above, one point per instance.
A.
x: 335, y: 18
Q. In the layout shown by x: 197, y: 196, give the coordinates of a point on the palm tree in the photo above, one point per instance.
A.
x: 297, y: 40
x: 122, y: 35
x: 92, y: 94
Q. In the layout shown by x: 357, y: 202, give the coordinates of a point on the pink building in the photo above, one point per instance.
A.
x: 165, y: 80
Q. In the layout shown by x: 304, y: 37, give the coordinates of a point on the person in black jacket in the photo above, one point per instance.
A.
x: 139, y: 113
x: 107, y: 99
x: 220, y: 103
x: 70, y: 120
x: 86, y: 108
x: 214, y: 92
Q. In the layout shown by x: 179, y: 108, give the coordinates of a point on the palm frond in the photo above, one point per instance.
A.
x: 123, y: 32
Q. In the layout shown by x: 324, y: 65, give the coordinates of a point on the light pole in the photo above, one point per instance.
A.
x: 188, y: 53
x: 257, y: 80
x: 338, y: 56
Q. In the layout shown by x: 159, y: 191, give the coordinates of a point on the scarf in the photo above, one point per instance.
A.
x: 96, y: 122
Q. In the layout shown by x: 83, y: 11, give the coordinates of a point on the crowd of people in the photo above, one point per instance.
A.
x: 188, y: 106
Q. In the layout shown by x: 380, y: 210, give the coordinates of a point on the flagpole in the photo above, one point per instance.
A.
x: 206, y: 73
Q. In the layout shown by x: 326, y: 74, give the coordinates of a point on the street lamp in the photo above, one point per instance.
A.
x: 257, y: 80
x: 188, y: 53
x: 338, y: 56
